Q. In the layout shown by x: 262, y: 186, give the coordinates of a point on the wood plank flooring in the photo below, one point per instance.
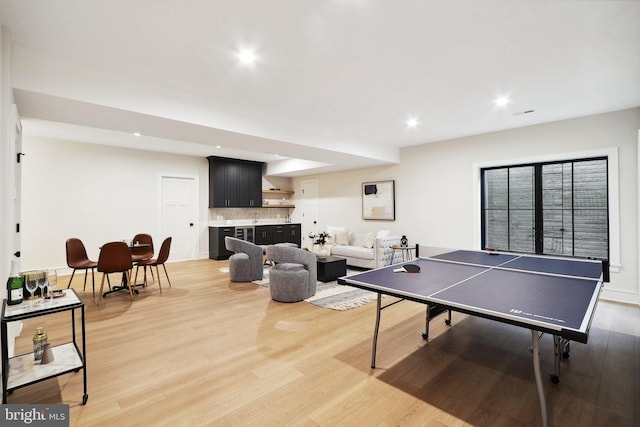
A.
x: 208, y: 352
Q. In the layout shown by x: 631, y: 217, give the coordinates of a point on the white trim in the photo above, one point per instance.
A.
x: 614, y: 193
x: 303, y: 231
x: 626, y: 297
x: 201, y: 225
x: 637, y: 295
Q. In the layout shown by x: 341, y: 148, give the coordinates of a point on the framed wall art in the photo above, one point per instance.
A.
x: 378, y: 200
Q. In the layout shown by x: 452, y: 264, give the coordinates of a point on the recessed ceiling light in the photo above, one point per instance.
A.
x: 247, y: 56
x: 502, y: 101
x: 412, y: 122
x: 218, y: 146
x: 137, y: 133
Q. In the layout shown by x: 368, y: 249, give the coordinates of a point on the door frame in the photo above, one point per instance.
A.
x: 306, y: 225
x: 196, y: 207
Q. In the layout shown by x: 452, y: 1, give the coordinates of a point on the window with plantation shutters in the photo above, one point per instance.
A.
x: 555, y: 208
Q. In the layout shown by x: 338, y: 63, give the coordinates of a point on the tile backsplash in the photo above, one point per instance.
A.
x: 236, y: 214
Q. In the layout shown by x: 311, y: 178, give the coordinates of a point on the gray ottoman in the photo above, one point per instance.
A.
x: 288, y: 282
x: 240, y: 268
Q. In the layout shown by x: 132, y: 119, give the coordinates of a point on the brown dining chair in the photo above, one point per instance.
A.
x: 163, y: 255
x: 146, y: 252
x: 142, y: 253
x: 78, y: 260
x: 115, y: 257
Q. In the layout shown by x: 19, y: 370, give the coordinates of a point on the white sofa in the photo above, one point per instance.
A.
x: 366, y: 250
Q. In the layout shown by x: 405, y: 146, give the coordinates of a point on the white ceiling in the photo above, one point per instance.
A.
x: 335, y: 80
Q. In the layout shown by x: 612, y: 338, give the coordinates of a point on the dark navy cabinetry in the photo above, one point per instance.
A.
x: 268, y: 234
x: 234, y: 183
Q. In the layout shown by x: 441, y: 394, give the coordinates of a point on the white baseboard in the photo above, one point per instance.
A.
x: 620, y: 296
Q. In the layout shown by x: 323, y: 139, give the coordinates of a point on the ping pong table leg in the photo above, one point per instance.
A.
x: 561, y: 348
x: 536, y: 371
x: 425, y: 334
x: 430, y: 312
x: 375, y: 332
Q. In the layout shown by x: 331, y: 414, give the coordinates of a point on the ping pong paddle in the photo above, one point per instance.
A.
x: 407, y: 268
x: 411, y: 268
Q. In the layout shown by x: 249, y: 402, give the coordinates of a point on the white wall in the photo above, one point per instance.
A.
x: 437, y: 191
x: 102, y: 193
x: 95, y: 193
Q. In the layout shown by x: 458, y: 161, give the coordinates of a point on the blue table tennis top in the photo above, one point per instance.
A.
x: 531, y: 291
x: 538, y: 264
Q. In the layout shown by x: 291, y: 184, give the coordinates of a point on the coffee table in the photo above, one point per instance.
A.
x: 330, y: 268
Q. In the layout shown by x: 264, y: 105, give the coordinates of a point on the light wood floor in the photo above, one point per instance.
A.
x: 211, y: 352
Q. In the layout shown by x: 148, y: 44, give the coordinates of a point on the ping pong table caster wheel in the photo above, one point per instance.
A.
x: 554, y: 378
x: 447, y: 322
x: 425, y: 336
x: 135, y: 291
x: 84, y: 399
x: 565, y: 355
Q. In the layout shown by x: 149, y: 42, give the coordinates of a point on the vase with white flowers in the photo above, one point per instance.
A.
x: 319, y: 240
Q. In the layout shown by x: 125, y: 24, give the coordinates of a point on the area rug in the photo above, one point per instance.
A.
x: 340, y: 297
x: 330, y: 295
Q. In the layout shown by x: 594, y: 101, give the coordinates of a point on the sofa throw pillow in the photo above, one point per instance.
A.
x: 357, y: 239
x: 369, y: 240
x: 342, y: 238
x: 333, y: 233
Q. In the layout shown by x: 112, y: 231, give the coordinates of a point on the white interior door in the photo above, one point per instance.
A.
x: 309, y: 211
x: 14, y: 213
x: 179, y: 216
x: 17, y: 201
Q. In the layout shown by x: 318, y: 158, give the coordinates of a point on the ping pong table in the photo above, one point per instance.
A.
x: 550, y: 295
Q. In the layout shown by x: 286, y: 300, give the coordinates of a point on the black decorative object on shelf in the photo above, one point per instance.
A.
x: 404, y: 242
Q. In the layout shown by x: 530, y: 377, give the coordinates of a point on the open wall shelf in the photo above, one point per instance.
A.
x: 277, y: 199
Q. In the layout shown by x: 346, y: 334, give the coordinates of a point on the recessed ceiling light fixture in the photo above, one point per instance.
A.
x: 412, y: 122
x: 502, y: 101
x: 136, y: 133
x: 247, y: 57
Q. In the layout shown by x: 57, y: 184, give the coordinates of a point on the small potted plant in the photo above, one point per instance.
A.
x: 320, y: 239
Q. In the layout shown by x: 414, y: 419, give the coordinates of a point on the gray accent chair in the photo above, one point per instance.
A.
x: 245, y: 265
x: 294, y: 273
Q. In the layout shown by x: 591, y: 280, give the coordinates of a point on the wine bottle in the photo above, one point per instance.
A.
x: 14, y: 286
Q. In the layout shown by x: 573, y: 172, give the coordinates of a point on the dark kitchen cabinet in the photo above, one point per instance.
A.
x: 217, y: 249
x: 278, y: 233
x: 263, y: 235
x: 234, y: 183
x: 292, y: 233
x: 250, y: 186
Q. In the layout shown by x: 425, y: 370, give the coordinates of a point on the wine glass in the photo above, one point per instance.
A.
x: 42, y: 282
x: 31, y: 284
x: 52, y: 280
